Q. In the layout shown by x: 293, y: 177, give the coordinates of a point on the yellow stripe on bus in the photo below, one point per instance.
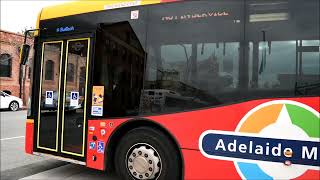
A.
x: 31, y: 121
x: 86, y: 6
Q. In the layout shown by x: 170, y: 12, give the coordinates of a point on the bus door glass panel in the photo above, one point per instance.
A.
x: 74, y: 106
x: 49, y: 96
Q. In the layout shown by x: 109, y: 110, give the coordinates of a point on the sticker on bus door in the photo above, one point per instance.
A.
x: 74, y: 99
x: 49, y: 97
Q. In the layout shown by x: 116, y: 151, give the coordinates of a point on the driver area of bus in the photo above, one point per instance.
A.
x: 119, y: 67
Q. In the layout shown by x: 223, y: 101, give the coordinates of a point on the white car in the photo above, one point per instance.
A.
x: 10, y: 102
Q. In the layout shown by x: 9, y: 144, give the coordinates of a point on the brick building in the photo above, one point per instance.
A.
x: 10, y: 72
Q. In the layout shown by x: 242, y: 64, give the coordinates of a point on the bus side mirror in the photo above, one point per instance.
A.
x: 24, y: 54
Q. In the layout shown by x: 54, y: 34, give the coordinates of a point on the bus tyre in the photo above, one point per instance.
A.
x: 147, y: 153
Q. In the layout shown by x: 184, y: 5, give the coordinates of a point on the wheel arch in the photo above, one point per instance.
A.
x: 121, y: 130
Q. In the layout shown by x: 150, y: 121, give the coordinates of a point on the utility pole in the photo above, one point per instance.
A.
x: 20, y: 80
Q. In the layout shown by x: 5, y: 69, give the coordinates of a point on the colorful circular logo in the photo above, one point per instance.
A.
x: 287, y: 120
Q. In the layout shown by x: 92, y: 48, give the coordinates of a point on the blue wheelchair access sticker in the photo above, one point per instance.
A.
x: 49, y: 94
x: 74, y: 95
x: 100, y: 147
x: 92, y: 145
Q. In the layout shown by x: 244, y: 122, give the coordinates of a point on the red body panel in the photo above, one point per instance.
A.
x: 29, y: 136
x: 99, y: 125
x: 198, y: 167
x: 186, y: 128
x: 310, y: 174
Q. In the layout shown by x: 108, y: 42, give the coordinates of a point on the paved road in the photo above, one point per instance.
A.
x: 16, y: 164
x: 71, y: 172
x: 12, y: 123
x: 12, y: 141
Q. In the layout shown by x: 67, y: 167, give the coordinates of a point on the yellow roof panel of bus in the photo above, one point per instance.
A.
x: 85, y: 6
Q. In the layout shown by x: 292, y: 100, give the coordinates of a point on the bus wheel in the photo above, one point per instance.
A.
x: 147, y: 153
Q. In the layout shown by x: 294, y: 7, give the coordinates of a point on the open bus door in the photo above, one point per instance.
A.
x: 61, y: 120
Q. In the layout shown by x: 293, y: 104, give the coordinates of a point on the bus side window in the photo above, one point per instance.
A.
x: 283, y: 53
x: 191, y: 60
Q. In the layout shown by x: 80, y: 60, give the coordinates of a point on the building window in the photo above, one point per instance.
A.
x: 29, y: 72
x: 5, y: 65
x: 49, y: 70
x: 70, y: 72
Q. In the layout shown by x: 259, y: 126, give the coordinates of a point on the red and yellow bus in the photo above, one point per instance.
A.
x: 165, y: 89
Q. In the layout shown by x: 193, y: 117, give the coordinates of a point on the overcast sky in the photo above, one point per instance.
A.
x: 16, y: 15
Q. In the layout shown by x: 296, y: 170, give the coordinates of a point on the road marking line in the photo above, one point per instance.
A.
x: 17, y: 137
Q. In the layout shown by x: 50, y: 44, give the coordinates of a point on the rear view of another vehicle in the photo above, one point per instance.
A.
x: 10, y: 102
